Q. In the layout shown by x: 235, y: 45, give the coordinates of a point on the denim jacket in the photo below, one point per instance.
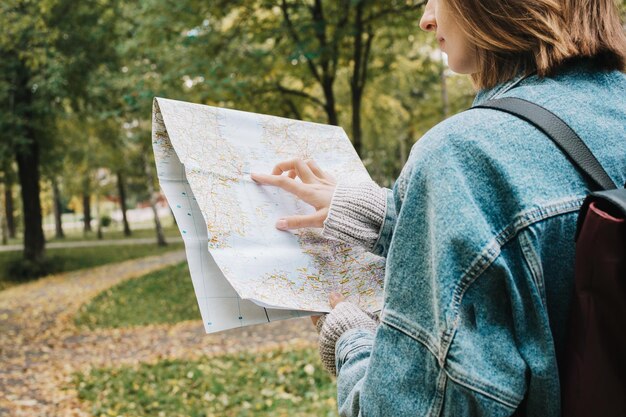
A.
x: 479, y: 240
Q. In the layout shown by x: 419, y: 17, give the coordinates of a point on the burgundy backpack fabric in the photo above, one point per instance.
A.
x: 593, y: 373
x: 593, y: 367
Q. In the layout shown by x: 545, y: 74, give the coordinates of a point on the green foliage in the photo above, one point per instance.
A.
x: 48, y: 54
x: 71, y: 259
x: 270, y: 57
x: 164, y: 296
x: 79, y: 78
x: 283, y: 382
x: 20, y: 270
x: 105, y: 220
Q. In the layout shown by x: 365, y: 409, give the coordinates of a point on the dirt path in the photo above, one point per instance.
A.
x: 40, y: 348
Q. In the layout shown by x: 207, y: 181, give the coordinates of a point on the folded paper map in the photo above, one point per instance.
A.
x: 243, y: 269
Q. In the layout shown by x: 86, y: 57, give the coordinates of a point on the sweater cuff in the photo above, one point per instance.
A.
x: 345, y: 316
x: 356, y: 214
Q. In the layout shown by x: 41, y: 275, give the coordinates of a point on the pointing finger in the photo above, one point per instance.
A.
x: 281, y: 181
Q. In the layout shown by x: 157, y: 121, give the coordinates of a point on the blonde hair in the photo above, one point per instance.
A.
x: 523, y: 36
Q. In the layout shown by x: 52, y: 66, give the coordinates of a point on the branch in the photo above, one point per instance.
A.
x: 296, y: 38
x: 341, y: 24
x: 317, y: 14
x: 299, y: 93
x: 294, y: 110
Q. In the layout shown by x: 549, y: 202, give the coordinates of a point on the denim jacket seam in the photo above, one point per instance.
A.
x: 437, y: 403
x: 358, y: 345
x: 440, y: 347
x: 412, y: 330
x: 531, y: 259
x: 500, y: 396
x: 440, y: 389
x: 345, y: 355
x: 490, y: 253
x: 492, y: 250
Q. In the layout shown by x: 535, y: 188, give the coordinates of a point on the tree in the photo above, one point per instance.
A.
x: 9, y: 205
x: 47, y: 53
x: 58, y: 209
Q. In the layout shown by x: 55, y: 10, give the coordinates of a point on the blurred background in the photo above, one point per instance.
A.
x: 77, y: 82
x: 97, y: 312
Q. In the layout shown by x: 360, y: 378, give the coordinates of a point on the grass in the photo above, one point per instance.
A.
x: 110, y: 233
x: 170, y: 231
x: 163, y: 296
x: 285, y: 382
x: 71, y: 259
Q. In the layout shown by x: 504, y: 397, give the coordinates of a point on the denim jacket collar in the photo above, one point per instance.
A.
x: 489, y: 93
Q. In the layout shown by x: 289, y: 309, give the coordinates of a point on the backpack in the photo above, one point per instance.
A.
x: 593, y: 367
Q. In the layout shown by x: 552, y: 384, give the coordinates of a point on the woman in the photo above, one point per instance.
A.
x: 478, y: 229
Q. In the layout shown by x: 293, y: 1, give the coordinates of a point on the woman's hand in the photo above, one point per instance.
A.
x: 344, y: 316
x: 316, y: 188
x: 334, y: 298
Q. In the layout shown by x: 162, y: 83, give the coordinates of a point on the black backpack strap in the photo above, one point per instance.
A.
x: 560, y: 133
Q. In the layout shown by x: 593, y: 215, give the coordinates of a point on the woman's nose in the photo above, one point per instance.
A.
x: 428, y: 22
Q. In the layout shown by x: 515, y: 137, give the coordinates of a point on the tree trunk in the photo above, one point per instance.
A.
x: 157, y: 223
x: 329, y: 96
x: 121, y: 188
x: 58, y: 211
x: 5, y: 235
x: 28, y: 172
x: 3, y: 226
x: 358, y: 79
x: 86, y: 212
x: 99, y: 233
x: 153, y: 200
x: 9, y: 207
x: 20, y: 93
x: 357, y: 134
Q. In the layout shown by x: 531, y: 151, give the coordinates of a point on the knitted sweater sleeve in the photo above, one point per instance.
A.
x: 356, y: 214
x: 344, y: 317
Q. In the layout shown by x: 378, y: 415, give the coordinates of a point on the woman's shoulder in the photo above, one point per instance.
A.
x: 472, y: 131
x: 591, y: 103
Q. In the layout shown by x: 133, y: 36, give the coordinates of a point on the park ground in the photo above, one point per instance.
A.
x: 44, y: 353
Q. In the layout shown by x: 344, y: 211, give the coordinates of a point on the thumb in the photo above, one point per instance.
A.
x: 335, y: 298
x: 297, y: 222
